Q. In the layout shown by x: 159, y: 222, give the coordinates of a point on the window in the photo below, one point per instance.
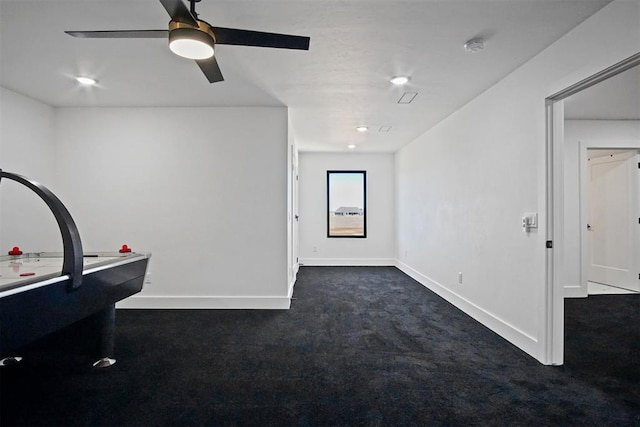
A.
x: 347, y: 204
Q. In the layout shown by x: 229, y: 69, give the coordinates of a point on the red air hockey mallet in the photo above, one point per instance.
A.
x: 15, y: 251
x: 124, y: 249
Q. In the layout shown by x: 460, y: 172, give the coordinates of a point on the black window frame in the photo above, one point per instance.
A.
x: 364, y: 201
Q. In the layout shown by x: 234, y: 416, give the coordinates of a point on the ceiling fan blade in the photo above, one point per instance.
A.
x: 211, y: 69
x: 178, y: 11
x: 235, y: 36
x: 121, y: 34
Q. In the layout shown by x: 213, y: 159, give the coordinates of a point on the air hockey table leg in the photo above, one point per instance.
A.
x: 106, y: 321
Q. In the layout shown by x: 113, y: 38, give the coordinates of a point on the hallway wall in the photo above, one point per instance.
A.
x: 463, y: 187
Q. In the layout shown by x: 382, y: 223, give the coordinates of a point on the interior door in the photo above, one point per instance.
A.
x: 613, y: 215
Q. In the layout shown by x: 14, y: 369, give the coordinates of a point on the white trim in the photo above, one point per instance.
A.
x: 127, y: 259
x: 36, y: 285
x: 519, y: 338
x: 292, y: 284
x: 344, y: 262
x: 574, y: 291
x: 583, y: 170
x: 206, y: 302
x: 554, y: 336
x: 552, y: 316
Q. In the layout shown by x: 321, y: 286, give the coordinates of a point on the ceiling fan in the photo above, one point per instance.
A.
x: 194, y: 38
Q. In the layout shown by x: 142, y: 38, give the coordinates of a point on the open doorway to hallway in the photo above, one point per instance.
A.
x: 592, y: 113
x: 602, y: 187
x: 600, y: 267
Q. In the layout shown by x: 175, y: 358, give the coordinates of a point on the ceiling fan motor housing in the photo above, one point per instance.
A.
x: 184, y: 37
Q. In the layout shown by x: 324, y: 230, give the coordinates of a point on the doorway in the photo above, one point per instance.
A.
x: 611, y: 235
x: 555, y: 233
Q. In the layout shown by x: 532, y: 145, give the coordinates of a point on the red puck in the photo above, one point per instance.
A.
x: 27, y: 274
x: 124, y: 249
x: 15, y: 251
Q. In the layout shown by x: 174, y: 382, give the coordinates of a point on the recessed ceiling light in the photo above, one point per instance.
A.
x: 351, y: 146
x: 87, y: 81
x: 362, y: 128
x: 399, y: 80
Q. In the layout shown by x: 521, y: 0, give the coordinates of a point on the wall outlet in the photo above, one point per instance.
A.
x: 147, y: 279
x: 460, y: 277
x: 315, y: 249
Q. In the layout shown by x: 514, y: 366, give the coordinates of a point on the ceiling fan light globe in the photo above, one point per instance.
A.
x: 191, y: 43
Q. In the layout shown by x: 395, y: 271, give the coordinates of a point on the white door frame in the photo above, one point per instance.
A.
x: 292, y: 218
x: 296, y: 216
x: 553, y: 321
x: 584, y: 188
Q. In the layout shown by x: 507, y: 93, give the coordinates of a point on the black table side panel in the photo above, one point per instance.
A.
x: 30, y: 315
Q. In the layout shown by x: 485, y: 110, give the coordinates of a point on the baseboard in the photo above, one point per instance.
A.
x: 205, y: 302
x: 520, y: 339
x: 296, y: 268
x: 344, y: 262
x: 574, y: 291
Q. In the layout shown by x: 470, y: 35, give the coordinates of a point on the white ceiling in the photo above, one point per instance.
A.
x: 340, y: 83
x: 617, y: 98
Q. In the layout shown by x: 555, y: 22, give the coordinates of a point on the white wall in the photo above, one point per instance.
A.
x: 377, y: 248
x: 203, y: 189
x: 462, y: 188
x: 596, y: 133
x: 26, y: 148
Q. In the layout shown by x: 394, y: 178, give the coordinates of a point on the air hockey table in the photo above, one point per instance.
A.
x: 35, y: 299
x: 42, y: 293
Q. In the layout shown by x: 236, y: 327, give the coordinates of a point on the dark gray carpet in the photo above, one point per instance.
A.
x: 359, y: 346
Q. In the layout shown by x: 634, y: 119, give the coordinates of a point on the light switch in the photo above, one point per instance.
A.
x: 529, y: 221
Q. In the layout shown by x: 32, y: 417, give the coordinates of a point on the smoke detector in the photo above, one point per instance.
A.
x: 474, y: 45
